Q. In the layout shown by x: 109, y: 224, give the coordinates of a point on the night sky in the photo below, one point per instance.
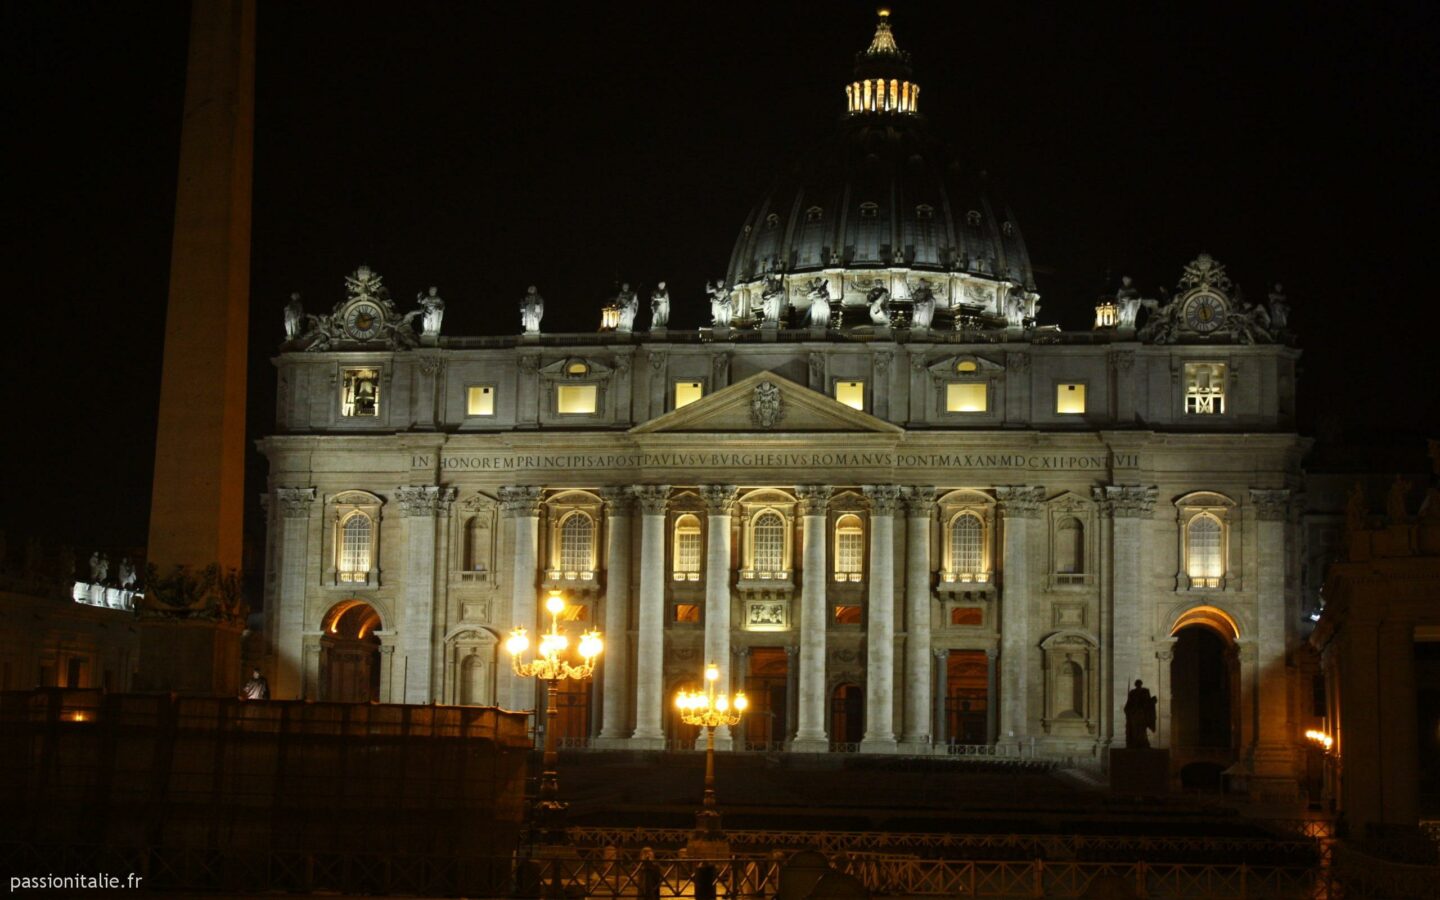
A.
x: 481, y: 148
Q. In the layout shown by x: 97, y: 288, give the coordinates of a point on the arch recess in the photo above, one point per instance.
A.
x: 1211, y: 617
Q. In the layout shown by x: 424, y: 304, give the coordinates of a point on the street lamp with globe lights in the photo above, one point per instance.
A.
x: 548, y: 666
x: 710, y: 710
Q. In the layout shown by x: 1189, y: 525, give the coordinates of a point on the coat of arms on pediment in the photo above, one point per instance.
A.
x: 766, y: 408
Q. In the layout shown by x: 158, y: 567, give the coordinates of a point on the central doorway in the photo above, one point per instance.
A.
x: 350, y: 653
x: 1204, y: 698
x: 766, y: 687
x: 967, y: 697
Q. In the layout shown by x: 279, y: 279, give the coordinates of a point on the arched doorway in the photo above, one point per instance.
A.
x: 350, y: 653
x: 847, y: 714
x: 1204, y: 696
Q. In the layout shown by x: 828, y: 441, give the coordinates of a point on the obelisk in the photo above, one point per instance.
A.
x: 197, y: 503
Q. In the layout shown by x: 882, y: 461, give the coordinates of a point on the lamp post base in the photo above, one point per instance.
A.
x: 708, y: 840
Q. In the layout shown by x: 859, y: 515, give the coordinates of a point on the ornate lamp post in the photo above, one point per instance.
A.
x: 710, y: 710
x: 550, y: 668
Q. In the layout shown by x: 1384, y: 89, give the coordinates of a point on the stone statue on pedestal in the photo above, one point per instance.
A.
x: 1139, y: 717
x: 819, y: 291
x: 659, y: 307
x: 923, y: 312
x: 434, y: 309
x: 720, y: 307
x: 127, y: 573
x: 772, y: 300
x: 532, y: 310
x: 1279, y: 309
x: 629, y: 305
x: 1127, y: 299
x: 294, y: 317
x: 257, y: 688
x: 876, y: 299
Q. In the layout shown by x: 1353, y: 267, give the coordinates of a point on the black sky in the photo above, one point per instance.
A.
x: 481, y: 148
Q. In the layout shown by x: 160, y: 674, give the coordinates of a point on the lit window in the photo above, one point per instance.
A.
x: 967, y: 548
x: 577, y: 540
x: 966, y: 367
x: 1069, y: 399
x: 687, y: 392
x: 687, y: 612
x: 851, y: 393
x: 1205, y: 388
x: 769, y: 544
x: 577, y: 369
x: 687, y: 548
x: 360, y: 393
x: 356, y: 534
x: 966, y: 396
x: 1069, y: 547
x: 575, y: 399
x: 480, y: 400
x: 849, y: 548
x: 847, y: 615
x: 1205, y: 551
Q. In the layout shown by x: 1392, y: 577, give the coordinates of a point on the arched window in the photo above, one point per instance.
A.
x: 1069, y: 547
x: 357, y: 534
x: 769, y: 542
x: 477, y: 536
x: 849, y: 548
x: 577, y: 542
x: 687, y: 548
x: 967, y: 547
x: 1205, y: 551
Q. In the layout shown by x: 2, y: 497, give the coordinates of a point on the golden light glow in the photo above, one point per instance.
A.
x: 687, y: 392
x: 575, y: 399
x: 1107, y: 314
x: 851, y: 393
x: 547, y: 664
x: 555, y: 603
x: 480, y: 401
x: 1320, y: 739
x: 709, y: 708
x: 966, y: 396
x: 609, y: 318
x: 1069, y: 399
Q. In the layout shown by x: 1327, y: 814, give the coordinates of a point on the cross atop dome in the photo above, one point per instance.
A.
x: 882, y: 76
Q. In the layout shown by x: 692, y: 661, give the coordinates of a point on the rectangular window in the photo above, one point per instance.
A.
x: 687, y: 554
x: 687, y: 392
x: 849, y: 554
x: 480, y: 400
x: 1205, y: 389
x: 360, y: 393
x: 687, y: 612
x: 851, y: 393
x: 1069, y: 399
x: 575, y: 399
x: 966, y: 397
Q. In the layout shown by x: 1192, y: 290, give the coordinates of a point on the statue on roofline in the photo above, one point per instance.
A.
x: 532, y: 310
x: 659, y: 307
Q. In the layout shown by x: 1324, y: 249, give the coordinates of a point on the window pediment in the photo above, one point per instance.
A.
x: 962, y: 366
x: 576, y: 368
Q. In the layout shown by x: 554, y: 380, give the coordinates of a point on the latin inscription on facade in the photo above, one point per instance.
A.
x: 707, y: 459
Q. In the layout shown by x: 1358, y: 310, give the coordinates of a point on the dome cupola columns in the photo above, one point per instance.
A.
x: 882, y: 76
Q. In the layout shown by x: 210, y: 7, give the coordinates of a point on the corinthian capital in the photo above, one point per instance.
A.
x: 920, y: 502
x: 1020, y: 501
x: 424, y: 499
x: 719, y: 498
x: 884, y: 498
x: 520, y: 500
x: 653, y: 498
x: 619, y: 501
x: 814, y: 498
x: 295, y: 502
x: 1270, y: 505
x: 1128, y: 501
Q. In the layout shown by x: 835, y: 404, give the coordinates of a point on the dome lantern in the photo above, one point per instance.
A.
x: 882, y: 76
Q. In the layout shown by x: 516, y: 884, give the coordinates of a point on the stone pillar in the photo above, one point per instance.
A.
x: 1130, y: 505
x: 1020, y: 507
x: 1275, y: 748
x: 650, y: 646
x: 292, y: 574
x: 880, y: 624
x: 719, y: 504
x: 992, y: 688
x: 940, y: 675
x: 420, y: 505
x: 1106, y: 625
x: 521, y: 504
x: 920, y: 510
x: 810, y: 736
x: 615, y: 661
x: 1399, y: 755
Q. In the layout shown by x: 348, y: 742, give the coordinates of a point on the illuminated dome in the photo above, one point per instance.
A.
x: 882, y: 194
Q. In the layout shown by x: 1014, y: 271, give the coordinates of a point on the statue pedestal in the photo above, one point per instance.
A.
x: 1139, y: 773
x: 189, y: 656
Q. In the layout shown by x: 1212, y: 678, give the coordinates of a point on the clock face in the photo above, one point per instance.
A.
x: 363, y: 321
x: 1204, y: 313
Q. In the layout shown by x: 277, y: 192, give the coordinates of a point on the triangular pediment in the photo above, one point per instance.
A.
x: 766, y: 402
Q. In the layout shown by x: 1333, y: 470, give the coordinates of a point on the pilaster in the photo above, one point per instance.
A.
x: 1020, y: 510
x: 1274, y: 748
x: 295, y: 506
x: 521, y: 505
x: 1129, y: 506
x: 420, y: 505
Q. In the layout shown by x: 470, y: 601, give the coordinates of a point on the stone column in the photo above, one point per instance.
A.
x: 420, y: 505
x: 719, y: 504
x: 920, y: 510
x: 1131, y: 505
x: 292, y: 570
x: 521, y: 504
x: 810, y: 736
x: 650, y: 646
x: 1106, y: 626
x: 1274, y: 749
x: 1020, y: 507
x: 880, y: 624
x: 615, y: 661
